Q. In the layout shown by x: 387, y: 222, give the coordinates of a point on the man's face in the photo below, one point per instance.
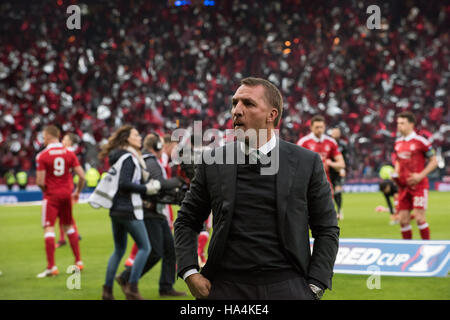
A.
x: 404, y: 126
x: 66, y: 141
x: 318, y: 128
x: 336, y: 133
x: 46, y: 137
x: 250, y: 109
x: 168, y: 147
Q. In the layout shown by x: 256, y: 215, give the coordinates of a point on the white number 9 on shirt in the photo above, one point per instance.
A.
x: 58, y: 166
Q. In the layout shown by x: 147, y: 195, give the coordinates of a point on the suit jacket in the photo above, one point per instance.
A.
x: 303, y: 199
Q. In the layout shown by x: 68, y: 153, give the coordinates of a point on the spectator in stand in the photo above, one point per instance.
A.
x: 182, y: 64
x: 10, y: 179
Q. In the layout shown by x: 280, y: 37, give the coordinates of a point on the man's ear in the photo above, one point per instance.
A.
x: 272, y: 115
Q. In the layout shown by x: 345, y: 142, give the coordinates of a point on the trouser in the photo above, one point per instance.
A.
x: 136, y: 228
x: 163, y: 247
x: 292, y: 289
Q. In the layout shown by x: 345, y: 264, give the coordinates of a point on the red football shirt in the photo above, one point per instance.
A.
x: 326, y: 147
x: 57, y: 162
x: 411, y: 153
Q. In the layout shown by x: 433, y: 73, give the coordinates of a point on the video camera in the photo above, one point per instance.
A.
x: 186, y: 173
x: 174, y: 196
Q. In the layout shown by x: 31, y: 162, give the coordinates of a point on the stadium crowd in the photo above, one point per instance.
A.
x: 153, y: 65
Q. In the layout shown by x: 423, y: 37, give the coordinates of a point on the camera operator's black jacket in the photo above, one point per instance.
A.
x: 156, y: 172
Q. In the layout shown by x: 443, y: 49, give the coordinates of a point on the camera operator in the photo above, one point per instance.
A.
x: 159, y: 233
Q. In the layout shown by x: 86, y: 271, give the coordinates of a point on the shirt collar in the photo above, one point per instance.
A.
x: 264, y: 149
x: 313, y: 136
x: 410, y: 136
x: 54, y: 145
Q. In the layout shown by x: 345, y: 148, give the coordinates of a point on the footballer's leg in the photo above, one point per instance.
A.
x: 61, y: 241
x: 404, y: 208
x: 203, y: 238
x: 420, y: 201
x: 338, y: 201
x: 422, y: 224
x: 49, y: 214
x: 72, y: 234
x: 405, y: 224
x: 133, y: 253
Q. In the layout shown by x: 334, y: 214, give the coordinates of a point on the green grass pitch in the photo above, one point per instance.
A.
x: 22, y: 254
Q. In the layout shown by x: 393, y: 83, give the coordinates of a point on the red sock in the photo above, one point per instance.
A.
x: 424, y: 230
x: 74, y: 243
x: 130, y: 260
x: 133, y: 252
x: 61, y: 232
x: 406, y: 231
x: 202, y: 240
x: 50, y: 248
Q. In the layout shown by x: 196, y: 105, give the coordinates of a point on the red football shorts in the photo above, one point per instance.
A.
x: 412, y: 199
x: 53, y: 208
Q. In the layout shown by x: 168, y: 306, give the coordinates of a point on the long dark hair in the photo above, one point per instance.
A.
x: 119, y: 139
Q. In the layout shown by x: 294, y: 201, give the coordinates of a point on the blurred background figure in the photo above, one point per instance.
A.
x: 124, y: 148
x: 54, y: 166
x: 337, y: 177
x: 69, y: 141
x: 22, y: 180
x: 10, y: 179
x: 328, y: 150
x: 156, y: 221
x: 389, y: 190
x: 160, y: 74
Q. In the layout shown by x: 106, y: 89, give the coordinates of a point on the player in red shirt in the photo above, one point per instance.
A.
x: 68, y: 141
x: 411, y: 153
x: 325, y: 146
x: 54, y: 178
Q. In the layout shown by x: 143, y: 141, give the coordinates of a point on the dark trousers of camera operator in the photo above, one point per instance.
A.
x: 162, y: 242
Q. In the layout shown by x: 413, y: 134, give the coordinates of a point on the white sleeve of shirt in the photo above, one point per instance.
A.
x: 189, y: 273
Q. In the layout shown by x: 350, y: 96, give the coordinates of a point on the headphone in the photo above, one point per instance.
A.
x: 157, y: 146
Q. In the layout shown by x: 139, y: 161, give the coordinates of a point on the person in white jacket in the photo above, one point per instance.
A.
x: 122, y: 189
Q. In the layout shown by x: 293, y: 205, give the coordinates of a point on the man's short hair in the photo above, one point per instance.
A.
x: 53, y: 131
x: 317, y: 118
x: 272, y: 94
x: 167, y: 138
x: 73, y: 138
x: 150, y: 141
x: 408, y: 115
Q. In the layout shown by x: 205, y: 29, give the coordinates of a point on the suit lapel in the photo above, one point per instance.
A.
x: 284, y: 179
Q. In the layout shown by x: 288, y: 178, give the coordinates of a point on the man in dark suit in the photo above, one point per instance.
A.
x: 260, y: 245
